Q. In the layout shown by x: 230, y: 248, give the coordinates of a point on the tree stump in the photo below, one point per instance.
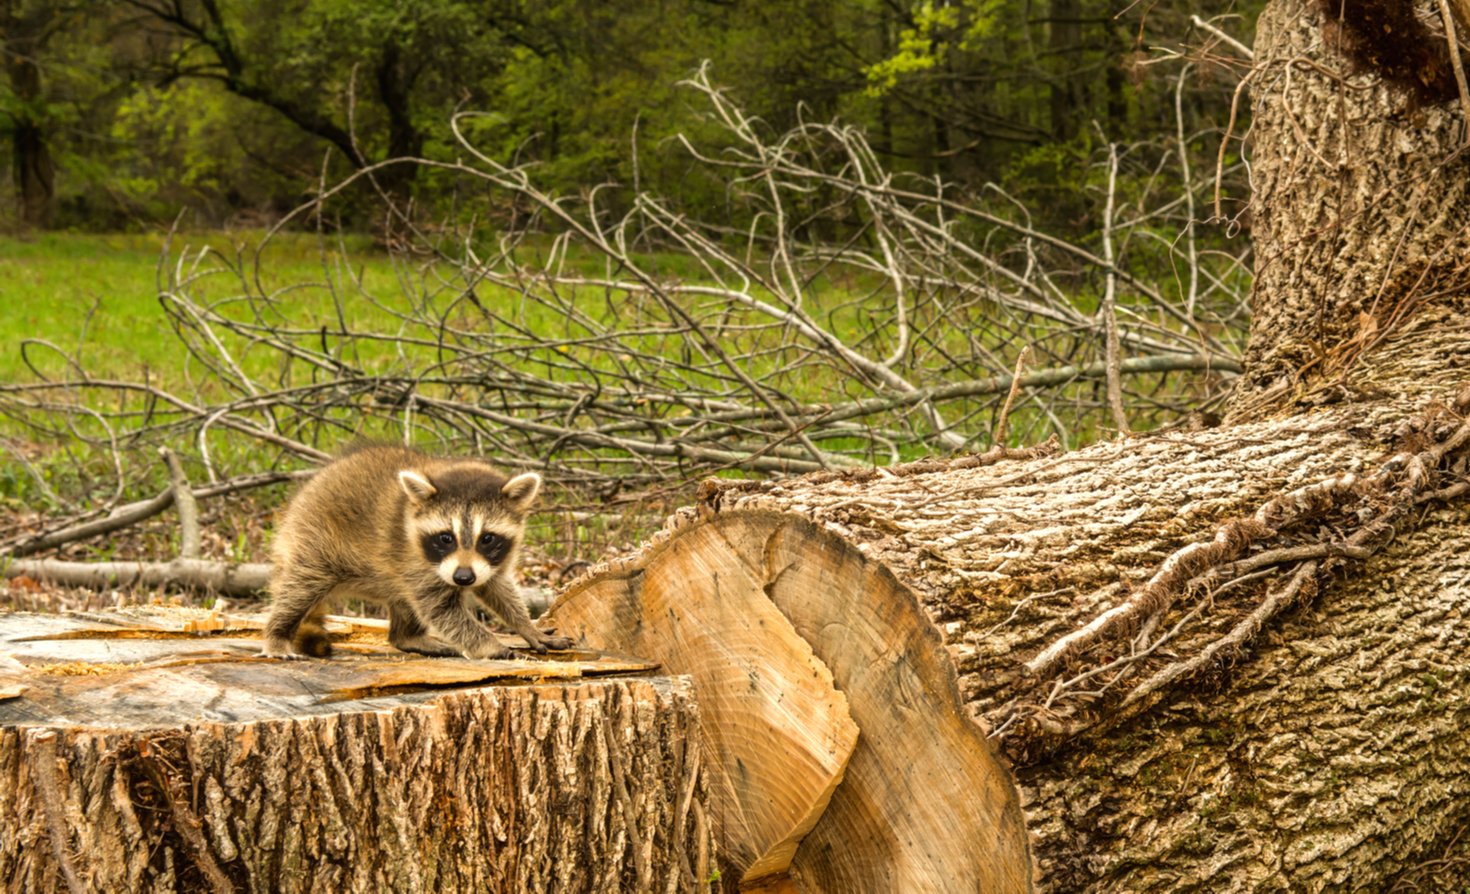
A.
x: 140, y: 756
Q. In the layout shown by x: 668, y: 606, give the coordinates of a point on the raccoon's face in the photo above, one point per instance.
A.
x: 467, y: 529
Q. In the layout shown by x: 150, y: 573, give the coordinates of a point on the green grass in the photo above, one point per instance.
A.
x: 96, y: 298
x: 49, y: 284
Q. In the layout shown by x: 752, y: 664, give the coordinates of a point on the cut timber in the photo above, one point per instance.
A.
x: 781, y: 731
x: 141, y: 758
x: 1325, y: 750
x: 926, y: 805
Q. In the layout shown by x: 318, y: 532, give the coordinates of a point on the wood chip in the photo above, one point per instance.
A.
x: 80, y: 669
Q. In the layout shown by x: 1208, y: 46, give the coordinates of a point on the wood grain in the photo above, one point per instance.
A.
x: 925, y: 804
x: 167, y: 761
x: 779, y: 730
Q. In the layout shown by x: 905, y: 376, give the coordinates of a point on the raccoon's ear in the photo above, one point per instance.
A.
x: 522, y: 489
x: 416, y: 486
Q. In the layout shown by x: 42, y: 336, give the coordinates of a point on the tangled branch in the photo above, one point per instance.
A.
x: 836, y: 315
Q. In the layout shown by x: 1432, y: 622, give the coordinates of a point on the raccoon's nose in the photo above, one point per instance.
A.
x: 464, y: 576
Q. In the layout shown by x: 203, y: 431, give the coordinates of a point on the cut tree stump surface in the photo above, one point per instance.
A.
x: 923, y: 804
x: 140, y: 756
x: 141, y: 668
x: 780, y: 730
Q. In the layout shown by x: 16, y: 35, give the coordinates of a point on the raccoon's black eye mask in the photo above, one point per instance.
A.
x: 494, y: 547
x: 439, y: 545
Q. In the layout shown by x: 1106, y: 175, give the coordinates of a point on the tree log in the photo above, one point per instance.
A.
x: 227, y: 578
x: 781, y: 733
x: 925, y: 803
x: 1200, y: 661
x: 930, y: 596
x: 206, y: 769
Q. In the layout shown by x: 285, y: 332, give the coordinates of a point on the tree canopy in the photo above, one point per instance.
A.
x: 121, y: 112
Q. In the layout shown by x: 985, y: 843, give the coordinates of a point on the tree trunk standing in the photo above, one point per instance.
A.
x: 396, y: 77
x: 1359, y: 212
x: 32, y: 167
x: 1227, y: 660
x: 1067, y: 89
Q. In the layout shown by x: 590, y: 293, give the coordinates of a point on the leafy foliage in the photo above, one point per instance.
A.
x: 229, y: 108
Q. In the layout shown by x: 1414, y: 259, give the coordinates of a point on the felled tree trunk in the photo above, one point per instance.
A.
x: 195, y: 767
x: 1221, y: 660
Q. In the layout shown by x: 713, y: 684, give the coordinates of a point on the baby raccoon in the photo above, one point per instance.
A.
x: 431, y: 537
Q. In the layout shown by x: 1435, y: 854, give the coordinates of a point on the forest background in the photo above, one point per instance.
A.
x: 120, y: 113
x: 814, y: 235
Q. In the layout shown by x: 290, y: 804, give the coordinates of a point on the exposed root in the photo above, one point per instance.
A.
x: 1378, y: 506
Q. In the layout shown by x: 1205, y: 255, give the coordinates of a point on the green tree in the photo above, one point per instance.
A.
x: 370, y: 78
x: 26, y: 28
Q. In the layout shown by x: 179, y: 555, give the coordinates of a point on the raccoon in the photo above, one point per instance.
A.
x: 431, y: 537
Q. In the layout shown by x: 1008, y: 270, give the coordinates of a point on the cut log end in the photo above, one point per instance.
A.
x: 766, y: 611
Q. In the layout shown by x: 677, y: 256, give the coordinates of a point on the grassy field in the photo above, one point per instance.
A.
x: 81, y: 302
x: 91, y: 306
x: 96, y: 296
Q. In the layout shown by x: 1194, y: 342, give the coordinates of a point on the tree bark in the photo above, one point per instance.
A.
x: 25, y: 34
x: 199, y: 771
x: 1220, y: 660
x: 1357, y: 216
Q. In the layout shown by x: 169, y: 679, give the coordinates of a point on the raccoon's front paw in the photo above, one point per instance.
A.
x: 280, y: 649
x: 546, y: 641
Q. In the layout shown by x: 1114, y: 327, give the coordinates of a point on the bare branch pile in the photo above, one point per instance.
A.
x: 836, y: 315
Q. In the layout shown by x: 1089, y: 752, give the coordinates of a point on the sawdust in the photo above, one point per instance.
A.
x: 81, y: 669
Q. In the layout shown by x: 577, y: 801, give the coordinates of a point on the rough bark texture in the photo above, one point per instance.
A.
x: 572, y: 786
x: 1359, y: 213
x: 1326, y: 754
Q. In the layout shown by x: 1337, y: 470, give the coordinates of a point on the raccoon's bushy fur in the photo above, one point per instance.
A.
x: 431, y: 537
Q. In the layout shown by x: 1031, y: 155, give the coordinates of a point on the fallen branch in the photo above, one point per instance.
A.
x: 133, y: 513
x: 188, y: 510
x: 121, y: 517
x: 226, y: 578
